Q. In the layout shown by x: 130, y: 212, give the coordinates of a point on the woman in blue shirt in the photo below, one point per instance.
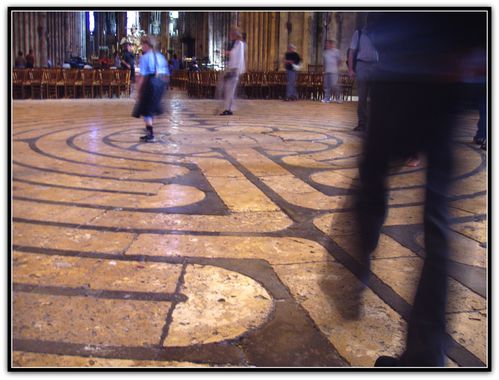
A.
x: 150, y: 85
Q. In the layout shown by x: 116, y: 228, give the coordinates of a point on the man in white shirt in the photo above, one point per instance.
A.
x: 235, y: 68
x: 367, y: 58
x: 331, y: 60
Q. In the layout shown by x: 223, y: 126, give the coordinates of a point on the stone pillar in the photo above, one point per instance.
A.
x: 283, y: 37
x: 42, y: 38
x: 165, y: 27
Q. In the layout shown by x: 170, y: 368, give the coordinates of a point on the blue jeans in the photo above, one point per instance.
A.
x: 291, y: 85
x: 331, y: 86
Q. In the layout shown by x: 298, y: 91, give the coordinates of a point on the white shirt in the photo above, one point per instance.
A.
x: 236, y: 58
x: 367, y: 51
x: 331, y: 59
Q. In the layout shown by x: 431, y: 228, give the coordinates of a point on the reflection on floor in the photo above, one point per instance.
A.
x: 224, y: 243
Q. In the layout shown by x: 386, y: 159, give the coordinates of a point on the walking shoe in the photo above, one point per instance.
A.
x: 387, y: 361
x: 147, y: 138
x: 226, y: 112
x: 479, y: 140
x: 339, y: 101
x: 326, y: 101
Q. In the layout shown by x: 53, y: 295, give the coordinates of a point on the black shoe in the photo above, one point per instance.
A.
x: 479, y: 140
x: 147, y: 138
x: 226, y: 112
x: 359, y: 128
x: 387, y: 361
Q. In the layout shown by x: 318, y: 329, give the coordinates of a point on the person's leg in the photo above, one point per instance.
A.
x: 362, y: 89
x: 295, y: 91
x: 289, y: 84
x: 481, y: 133
x: 327, y: 87
x: 371, y: 199
x: 336, y: 88
x: 426, y: 329
x: 148, y: 120
x: 229, y: 92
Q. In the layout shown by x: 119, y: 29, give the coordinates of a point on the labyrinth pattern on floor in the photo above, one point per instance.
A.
x: 223, y: 244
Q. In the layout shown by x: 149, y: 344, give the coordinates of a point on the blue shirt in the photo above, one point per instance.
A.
x: 147, y: 64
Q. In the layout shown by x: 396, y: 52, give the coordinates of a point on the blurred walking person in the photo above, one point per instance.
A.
x: 331, y: 58
x: 235, y: 67
x: 415, y: 98
x: 151, y: 84
x: 362, y: 60
x: 292, y: 63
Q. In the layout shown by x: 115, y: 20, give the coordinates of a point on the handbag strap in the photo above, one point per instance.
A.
x: 155, y: 63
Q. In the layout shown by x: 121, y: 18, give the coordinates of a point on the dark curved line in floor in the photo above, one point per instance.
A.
x: 82, y: 188
x: 124, y: 295
x: 70, y: 142
x: 152, y: 231
x: 213, y: 353
x: 189, y: 209
x: 34, y: 147
x: 159, y: 180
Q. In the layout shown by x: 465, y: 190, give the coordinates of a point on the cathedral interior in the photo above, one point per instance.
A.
x: 227, y: 242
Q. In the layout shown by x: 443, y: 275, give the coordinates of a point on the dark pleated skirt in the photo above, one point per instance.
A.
x: 149, y: 102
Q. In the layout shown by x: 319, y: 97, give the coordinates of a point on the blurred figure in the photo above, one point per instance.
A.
x: 292, y: 63
x: 117, y: 60
x: 30, y: 59
x: 20, y: 62
x: 235, y: 68
x: 415, y: 97
x: 150, y: 85
x: 175, y: 63
x: 481, y: 133
x: 362, y: 59
x: 129, y: 61
x: 331, y: 58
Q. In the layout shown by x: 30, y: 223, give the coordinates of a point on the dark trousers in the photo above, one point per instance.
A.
x: 481, y: 132
x: 406, y: 118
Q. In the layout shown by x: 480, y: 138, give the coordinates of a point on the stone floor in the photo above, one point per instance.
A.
x: 224, y: 243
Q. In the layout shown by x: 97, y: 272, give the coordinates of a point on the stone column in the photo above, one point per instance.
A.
x: 283, y: 37
x: 165, y: 27
x: 42, y: 38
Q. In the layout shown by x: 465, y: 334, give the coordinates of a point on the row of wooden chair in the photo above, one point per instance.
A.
x: 264, y: 85
x: 70, y: 83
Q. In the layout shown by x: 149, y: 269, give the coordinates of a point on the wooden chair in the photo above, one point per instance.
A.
x: 124, y: 84
x: 72, y: 83
x: 317, y: 85
x: 97, y: 84
x: 18, y: 77
x: 36, y: 83
x: 244, y: 84
x: 88, y: 79
x: 204, y: 85
x: 303, y: 86
x: 282, y: 81
x: 315, y: 68
x: 108, y: 82
x: 54, y: 84
x: 346, y: 86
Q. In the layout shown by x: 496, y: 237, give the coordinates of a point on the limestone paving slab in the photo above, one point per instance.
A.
x: 329, y: 294
x: 274, y: 250
x: 88, y: 321
x: 97, y: 274
x: 35, y: 360
x: 221, y: 305
x: 51, y: 237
